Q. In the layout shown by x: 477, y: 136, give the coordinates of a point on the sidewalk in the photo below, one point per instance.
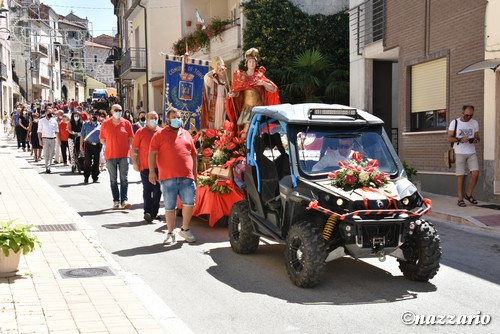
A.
x: 70, y: 284
x: 477, y: 216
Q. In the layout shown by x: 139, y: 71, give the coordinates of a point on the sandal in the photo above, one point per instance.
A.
x: 461, y: 203
x: 470, y: 199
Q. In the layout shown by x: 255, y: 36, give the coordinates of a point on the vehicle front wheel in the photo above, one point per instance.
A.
x: 241, y: 236
x: 305, y: 254
x: 422, y: 252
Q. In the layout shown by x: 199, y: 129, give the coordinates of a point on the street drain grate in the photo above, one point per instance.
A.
x: 55, y: 228
x: 86, y: 272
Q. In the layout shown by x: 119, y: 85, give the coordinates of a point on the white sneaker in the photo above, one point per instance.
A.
x: 170, y: 239
x: 116, y: 205
x: 186, y: 234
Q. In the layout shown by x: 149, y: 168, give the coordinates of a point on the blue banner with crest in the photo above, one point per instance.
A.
x: 183, y: 88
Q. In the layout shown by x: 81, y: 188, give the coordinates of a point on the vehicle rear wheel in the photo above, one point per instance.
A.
x: 305, y: 254
x: 423, y: 253
x: 241, y: 236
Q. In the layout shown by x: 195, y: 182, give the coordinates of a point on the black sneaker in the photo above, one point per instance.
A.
x: 147, y: 217
x: 95, y: 180
x: 86, y: 180
x: 47, y: 171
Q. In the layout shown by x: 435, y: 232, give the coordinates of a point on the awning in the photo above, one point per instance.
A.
x: 491, y: 64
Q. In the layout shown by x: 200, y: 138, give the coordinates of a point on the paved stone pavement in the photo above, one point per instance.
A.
x: 39, y: 299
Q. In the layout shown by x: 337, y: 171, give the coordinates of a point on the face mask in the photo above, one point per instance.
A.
x: 94, y: 118
x: 143, y: 119
x: 117, y: 114
x: 77, y: 119
x: 153, y: 122
x: 49, y: 115
x: 175, y: 123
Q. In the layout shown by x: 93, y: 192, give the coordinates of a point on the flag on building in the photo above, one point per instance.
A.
x: 183, y: 88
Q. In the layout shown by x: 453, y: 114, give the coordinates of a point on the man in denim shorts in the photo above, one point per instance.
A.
x: 465, y: 139
x: 174, y: 152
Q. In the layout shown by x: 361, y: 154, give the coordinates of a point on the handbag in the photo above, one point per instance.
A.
x: 449, y: 155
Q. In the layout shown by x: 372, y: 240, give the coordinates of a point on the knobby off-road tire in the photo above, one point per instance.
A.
x: 423, y: 254
x: 240, y: 229
x: 305, y: 254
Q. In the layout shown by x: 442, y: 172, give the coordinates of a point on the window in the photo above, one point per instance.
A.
x: 429, y: 95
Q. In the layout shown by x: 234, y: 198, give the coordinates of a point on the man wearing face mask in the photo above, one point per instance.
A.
x: 90, y: 144
x: 173, y: 150
x: 151, y: 193
x: 116, y: 134
x: 140, y: 123
x: 48, y: 131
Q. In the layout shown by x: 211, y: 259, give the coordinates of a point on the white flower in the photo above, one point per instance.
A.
x: 364, y: 177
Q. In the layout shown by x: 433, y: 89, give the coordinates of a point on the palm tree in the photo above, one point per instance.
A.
x: 305, y: 76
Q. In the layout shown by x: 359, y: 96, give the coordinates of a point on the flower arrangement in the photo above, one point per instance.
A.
x: 222, y: 146
x: 216, y: 185
x: 357, y: 173
x: 200, y: 38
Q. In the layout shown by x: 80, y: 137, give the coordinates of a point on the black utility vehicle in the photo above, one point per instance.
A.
x: 289, y: 197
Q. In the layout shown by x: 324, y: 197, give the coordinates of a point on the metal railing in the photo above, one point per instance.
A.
x: 367, y: 22
x: 133, y: 59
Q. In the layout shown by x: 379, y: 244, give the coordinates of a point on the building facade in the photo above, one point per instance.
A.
x: 406, y: 61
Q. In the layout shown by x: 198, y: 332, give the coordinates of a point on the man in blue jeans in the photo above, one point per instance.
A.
x: 116, y: 134
x: 151, y: 193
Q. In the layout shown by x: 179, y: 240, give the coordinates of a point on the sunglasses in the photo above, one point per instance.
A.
x: 468, y: 115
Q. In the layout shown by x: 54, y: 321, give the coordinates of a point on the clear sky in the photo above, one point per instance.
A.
x: 98, y: 12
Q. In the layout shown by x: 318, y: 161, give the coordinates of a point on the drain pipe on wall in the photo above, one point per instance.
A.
x: 146, y: 47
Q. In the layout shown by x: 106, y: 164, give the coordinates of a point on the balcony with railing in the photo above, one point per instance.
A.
x: 228, y: 44
x: 39, y: 51
x: 367, y: 22
x: 133, y: 63
x: 73, y: 76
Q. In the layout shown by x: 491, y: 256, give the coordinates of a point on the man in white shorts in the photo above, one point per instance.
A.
x: 465, y: 139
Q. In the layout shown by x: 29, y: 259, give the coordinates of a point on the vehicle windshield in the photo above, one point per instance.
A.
x: 319, y: 151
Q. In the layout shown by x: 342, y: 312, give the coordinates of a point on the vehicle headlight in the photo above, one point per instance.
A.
x: 412, y: 201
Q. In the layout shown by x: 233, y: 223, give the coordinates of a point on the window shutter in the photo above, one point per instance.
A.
x: 428, y: 86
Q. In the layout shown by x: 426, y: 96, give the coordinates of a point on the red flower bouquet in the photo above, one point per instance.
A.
x: 358, y: 174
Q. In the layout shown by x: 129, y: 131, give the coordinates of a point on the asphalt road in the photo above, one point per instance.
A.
x: 214, y: 290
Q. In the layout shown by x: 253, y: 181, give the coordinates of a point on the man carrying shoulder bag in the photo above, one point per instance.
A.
x: 463, y: 133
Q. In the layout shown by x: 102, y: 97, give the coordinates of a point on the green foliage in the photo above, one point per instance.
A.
x: 200, y: 38
x: 286, y: 36
x: 410, y: 171
x: 17, y: 238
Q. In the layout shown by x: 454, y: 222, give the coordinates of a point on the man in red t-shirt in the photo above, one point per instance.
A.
x: 174, y: 152
x: 151, y: 193
x: 116, y: 134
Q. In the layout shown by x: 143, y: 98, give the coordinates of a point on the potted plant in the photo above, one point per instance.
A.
x: 14, y: 240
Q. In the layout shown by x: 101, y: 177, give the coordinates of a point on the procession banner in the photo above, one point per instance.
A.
x: 183, y: 88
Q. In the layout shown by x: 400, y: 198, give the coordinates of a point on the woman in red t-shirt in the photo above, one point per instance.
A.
x: 63, y: 136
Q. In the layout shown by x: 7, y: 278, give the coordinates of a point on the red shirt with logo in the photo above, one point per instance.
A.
x: 175, y: 153
x: 117, y: 138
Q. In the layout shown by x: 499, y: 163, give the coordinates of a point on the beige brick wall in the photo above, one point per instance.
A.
x: 429, y: 29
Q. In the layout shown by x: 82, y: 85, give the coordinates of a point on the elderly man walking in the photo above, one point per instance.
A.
x: 116, y: 134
